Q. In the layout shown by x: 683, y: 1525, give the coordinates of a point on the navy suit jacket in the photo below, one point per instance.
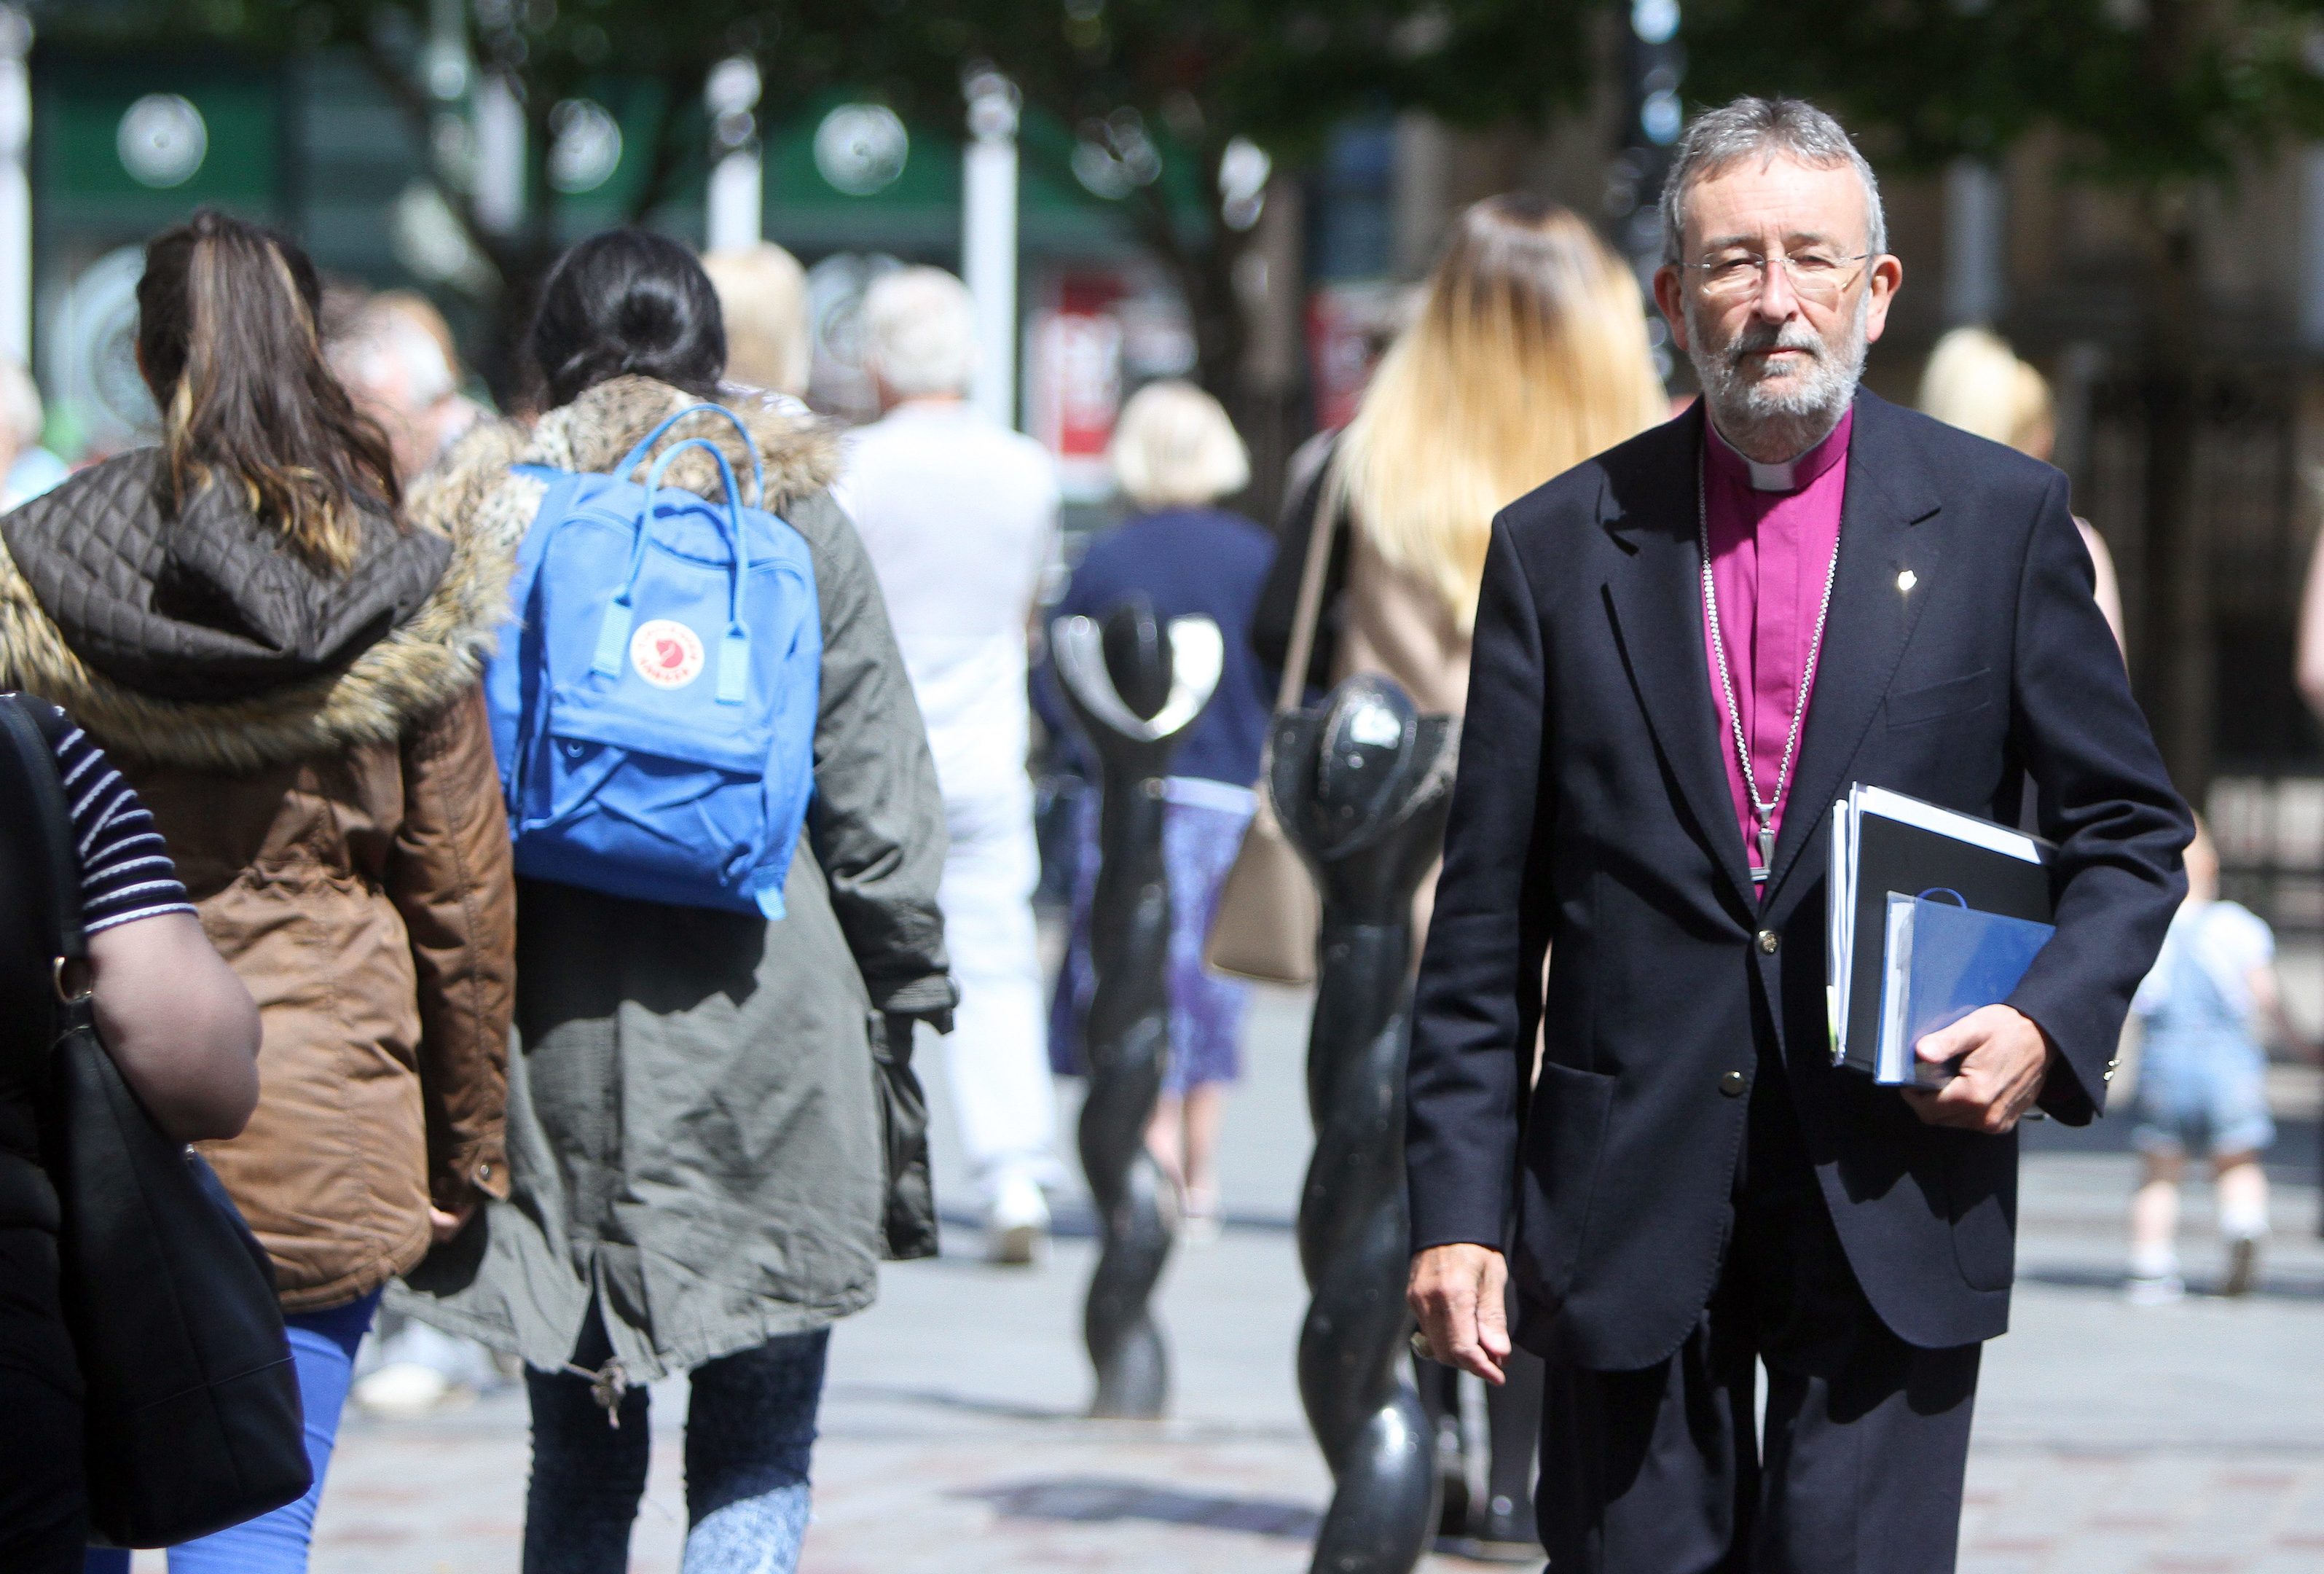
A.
x: 1592, y: 810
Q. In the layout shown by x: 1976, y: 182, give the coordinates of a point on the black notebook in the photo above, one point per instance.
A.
x: 1884, y: 843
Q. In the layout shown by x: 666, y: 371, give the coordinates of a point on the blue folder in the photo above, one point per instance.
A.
x: 1944, y: 960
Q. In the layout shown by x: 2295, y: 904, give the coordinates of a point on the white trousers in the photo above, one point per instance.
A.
x: 997, y: 1057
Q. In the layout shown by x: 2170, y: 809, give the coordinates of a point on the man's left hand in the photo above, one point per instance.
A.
x: 2002, y: 1058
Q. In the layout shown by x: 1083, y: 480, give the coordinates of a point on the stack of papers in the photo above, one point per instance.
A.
x: 1931, y: 913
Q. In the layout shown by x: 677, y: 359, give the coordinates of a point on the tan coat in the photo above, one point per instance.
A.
x: 1395, y: 624
x: 345, y: 841
x: 365, y: 899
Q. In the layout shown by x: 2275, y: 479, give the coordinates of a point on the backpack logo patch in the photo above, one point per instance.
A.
x: 666, y: 653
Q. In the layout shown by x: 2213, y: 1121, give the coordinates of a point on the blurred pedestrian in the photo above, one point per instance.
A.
x: 698, y: 1169
x: 1976, y: 382
x: 288, y: 675
x: 1686, y: 647
x: 762, y: 299
x: 26, y: 469
x: 1528, y: 355
x: 1175, y: 455
x: 396, y: 355
x: 960, y: 518
x: 2202, y: 1079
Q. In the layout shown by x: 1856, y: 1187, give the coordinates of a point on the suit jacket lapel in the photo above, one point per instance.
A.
x: 1881, y: 538
x: 1655, y: 599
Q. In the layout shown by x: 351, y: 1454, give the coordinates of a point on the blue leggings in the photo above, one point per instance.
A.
x: 323, y: 1347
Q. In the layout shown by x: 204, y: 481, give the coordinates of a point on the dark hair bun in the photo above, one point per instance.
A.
x: 627, y: 302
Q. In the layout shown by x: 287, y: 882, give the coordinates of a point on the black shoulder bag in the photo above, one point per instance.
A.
x: 192, y: 1405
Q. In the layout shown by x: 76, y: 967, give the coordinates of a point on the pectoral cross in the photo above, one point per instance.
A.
x: 1760, y: 871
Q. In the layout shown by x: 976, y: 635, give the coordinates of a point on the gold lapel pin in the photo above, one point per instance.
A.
x: 1907, y: 580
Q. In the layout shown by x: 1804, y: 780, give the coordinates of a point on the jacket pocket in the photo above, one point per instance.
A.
x: 1566, y: 1139
x: 1934, y: 703
x: 1981, y: 1181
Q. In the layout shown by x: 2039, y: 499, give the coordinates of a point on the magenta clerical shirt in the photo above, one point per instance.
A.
x: 1773, y: 528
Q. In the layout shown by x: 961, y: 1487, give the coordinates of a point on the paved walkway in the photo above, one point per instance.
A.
x: 2110, y: 1439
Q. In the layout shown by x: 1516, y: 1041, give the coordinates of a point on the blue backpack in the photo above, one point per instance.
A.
x: 653, y: 699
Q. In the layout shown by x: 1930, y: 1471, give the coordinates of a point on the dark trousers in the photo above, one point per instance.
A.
x: 750, y: 1430
x: 1660, y: 1471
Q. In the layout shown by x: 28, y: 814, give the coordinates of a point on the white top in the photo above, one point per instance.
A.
x: 2226, y: 940
x: 960, y: 518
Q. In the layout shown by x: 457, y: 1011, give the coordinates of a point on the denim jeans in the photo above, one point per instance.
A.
x: 323, y: 1345
x: 750, y: 1429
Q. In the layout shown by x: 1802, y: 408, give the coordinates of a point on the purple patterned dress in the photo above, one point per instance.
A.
x: 1203, y: 824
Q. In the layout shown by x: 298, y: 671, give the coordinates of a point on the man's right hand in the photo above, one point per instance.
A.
x: 1458, y: 1294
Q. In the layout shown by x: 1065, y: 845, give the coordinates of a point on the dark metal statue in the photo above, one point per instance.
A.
x: 1362, y: 788
x: 1135, y: 688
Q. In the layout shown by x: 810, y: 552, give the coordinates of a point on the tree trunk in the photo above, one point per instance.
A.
x: 2176, y: 666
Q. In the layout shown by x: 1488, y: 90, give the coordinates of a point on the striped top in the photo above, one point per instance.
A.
x: 125, y: 872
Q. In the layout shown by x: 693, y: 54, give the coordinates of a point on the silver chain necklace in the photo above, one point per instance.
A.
x: 1762, y: 809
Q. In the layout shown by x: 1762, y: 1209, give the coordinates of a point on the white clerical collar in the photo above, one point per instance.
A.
x: 1788, y: 475
x: 1770, y: 477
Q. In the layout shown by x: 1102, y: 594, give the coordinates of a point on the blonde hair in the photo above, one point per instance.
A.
x: 1175, y: 447
x: 762, y: 297
x: 1529, y: 355
x: 1974, y: 381
x: 919, y: 332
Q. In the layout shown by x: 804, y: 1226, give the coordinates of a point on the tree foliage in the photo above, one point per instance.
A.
x: 2148, y: 92
x: 1153, y: 81
x: 1157, y: 91
x: 547, y: 53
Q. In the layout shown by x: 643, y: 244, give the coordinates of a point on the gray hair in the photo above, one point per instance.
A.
x: 919, y: 332
x: 1792, y: 127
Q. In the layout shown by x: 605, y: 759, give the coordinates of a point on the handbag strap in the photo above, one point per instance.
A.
x: 1308, y: 610
x: 32, y: 728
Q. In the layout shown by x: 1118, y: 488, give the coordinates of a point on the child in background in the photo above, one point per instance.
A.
x: 2202, y: 1079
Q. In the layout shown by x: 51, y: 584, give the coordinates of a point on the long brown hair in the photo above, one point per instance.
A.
x: 226, y: 339
x: 1529, y: 355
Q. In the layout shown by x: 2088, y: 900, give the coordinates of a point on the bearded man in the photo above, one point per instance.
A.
x: 1686, y: 649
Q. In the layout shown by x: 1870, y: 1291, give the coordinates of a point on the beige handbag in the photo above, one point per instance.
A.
x: 1269, y: 913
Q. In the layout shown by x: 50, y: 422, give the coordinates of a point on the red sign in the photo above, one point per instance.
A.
x: 1074, y: 378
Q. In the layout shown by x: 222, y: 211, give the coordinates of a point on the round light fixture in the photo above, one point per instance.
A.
x: 161, y: 139
x: 861, y: 148
x: 587, y: 149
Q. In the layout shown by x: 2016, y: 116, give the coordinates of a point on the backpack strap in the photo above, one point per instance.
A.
x: 637, y: 456
x: 734, y: 649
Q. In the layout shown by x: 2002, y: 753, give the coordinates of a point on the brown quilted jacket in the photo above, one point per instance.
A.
x: 317, y: 755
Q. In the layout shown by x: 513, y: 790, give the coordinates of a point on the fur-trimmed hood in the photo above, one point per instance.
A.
x: 438, y: 651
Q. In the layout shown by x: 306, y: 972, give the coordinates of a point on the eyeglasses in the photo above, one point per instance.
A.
x: 1816, y: 275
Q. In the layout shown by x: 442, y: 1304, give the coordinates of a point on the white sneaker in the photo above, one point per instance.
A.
x: 2154, y: 1289
x: 1016, y: 1225
x: 402, y: 1390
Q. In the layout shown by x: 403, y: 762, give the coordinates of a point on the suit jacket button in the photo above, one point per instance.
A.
x: 1768, y: 940
x: 1734, y: 1084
